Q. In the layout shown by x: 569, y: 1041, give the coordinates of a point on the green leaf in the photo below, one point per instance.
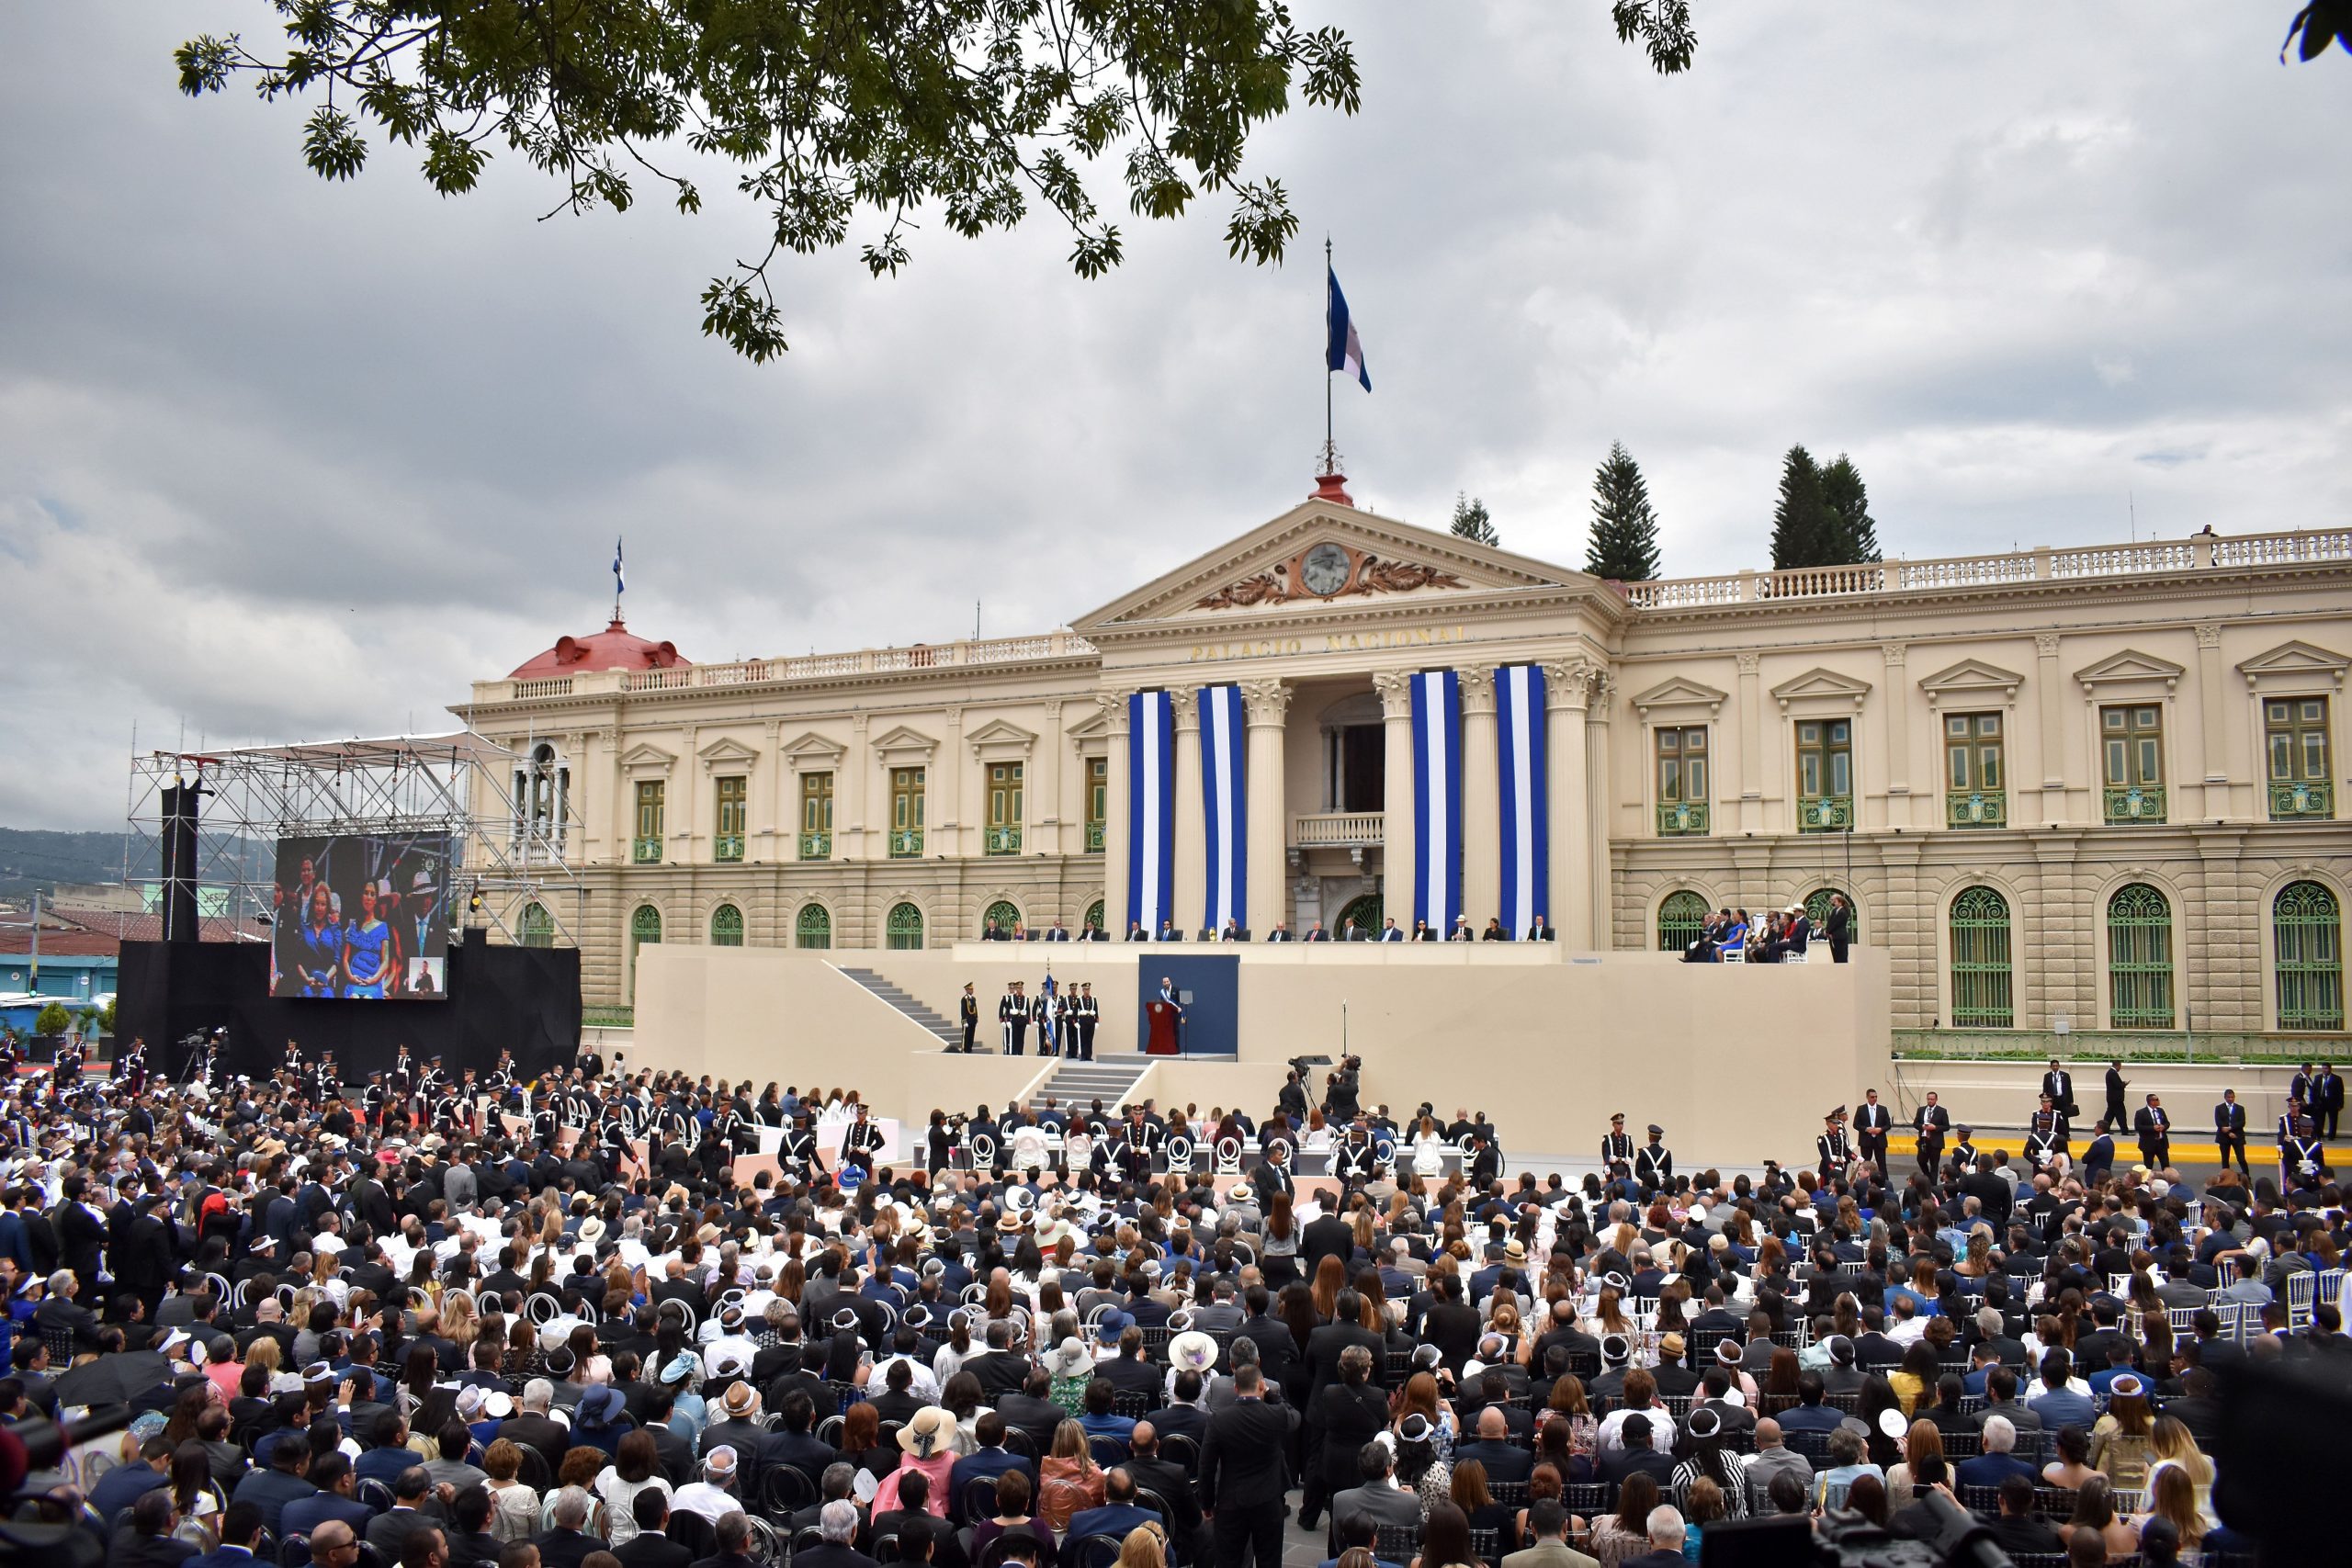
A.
x: 332, y: 146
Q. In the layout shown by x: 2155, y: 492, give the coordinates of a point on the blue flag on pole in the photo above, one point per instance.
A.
x: 617, y: 584
x: 1345, y: 350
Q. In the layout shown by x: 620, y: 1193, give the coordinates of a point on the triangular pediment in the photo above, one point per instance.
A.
x: 1002, y: 737
x: 1262, y: 571
x: 902, y: 741
x: 727, y: 750
x: 1681, y: 692
x: 1971, y: 678
x: 2296, y: 659
x: 811, y: 746
x: 1822, y: 684
x: 2129, y: 665
x: 645, y: 754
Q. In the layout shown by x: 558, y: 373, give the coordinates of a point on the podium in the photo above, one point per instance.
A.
x: 1161, y: 1018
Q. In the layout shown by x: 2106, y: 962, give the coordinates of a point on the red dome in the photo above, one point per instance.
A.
x: 614, y: 647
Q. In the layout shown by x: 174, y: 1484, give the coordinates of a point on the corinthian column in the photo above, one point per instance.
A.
x: 1118, y: 832
x: 1268, y: 702
x: 1395, y: 689
x: 1482, y: 826
x: 1567, y: 693
x: 1190, y: 887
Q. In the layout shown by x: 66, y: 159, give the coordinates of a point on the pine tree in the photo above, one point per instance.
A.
x: 1801, y: 521
x: 1853, y: 534
x: 1624, y: 546
x: 1470, y: 520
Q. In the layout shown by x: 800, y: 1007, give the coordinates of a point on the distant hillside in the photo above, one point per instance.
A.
x: 30, y: 859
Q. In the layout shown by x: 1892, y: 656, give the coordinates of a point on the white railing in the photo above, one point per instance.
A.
x: 559, y: 686
x: 831, y: 666
x: 1337, y: 829
x: 661, y: 680
x: 2154, y: 558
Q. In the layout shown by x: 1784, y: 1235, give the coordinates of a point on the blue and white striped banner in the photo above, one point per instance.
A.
x: 1527, y: 829
x: 1151, y: 809
x: 1224, y: 806
x: 1437, y: 799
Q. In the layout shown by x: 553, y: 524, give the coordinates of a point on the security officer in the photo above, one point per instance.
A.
x: 967, y: 1013
x: 1929, y: 1124
x: 1653, y: 1165
x: 1836, y: 1153
x: 2229, y: 1130
x: 1872, y: 1122
x: 1085, y: 1013
x: 2153, y: 1126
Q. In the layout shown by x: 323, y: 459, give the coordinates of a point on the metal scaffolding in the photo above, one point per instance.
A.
x: 509, y: 857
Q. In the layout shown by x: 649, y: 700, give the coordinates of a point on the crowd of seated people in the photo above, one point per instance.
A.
x: 1781, y: 936
x: 375, y: 1344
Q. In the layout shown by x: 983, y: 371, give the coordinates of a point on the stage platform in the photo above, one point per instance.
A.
x: 1740, y: 1062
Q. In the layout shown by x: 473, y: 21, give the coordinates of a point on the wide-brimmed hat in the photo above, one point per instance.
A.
x: 1072, y: 1359
x: 1192, y: 1352
x: 928, y: 1431
x: 601, y: 1406
x: 591, y: 1230
x: 740, y: 1402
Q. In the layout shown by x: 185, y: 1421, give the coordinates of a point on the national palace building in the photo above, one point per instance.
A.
x: 2081, y: 789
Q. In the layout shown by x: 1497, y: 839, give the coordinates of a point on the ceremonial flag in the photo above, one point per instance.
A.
x: 617, y: 583
x: 1345, y: 350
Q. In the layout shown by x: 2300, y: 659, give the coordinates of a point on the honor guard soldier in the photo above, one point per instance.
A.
x: 1041, y: 1015
x: 1089, y: 1013
x: 1616, y: 1144
x: 861, y: 1141
x: 371, y: 1099
x: 131, y: 1066
x: 401, y: 1079
x: 967, y: 1013
x: 612, y: 1139
x: 1354, y: 1160
x: 1013, y: 1020
x: 1831, y: 1145
x: 1964, y: 1150
x: 796, y: 1152
x: 446, y: 1110
x: 1872, y: 1122
x: 433, y: 1083
x: 8, y: 1058
x: 2302, y: 1155
x: 293, y: 1063
x: 1653, y: 1165
x: 1929, y: 1124
x: 501, y: 1076
x: 1138, y: 1142
x: 326, y: 1078
x: 2229, y: 1129
x: 2045, y: 1134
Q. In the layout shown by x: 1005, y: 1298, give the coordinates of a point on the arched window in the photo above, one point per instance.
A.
x: 903, y: 929
x: 1364, y: 912
x: 727, y: 926
x: 814, y: 926
x: 1093, y: 915
x: 542, y: 788
x: 1004, y: 914
x: 2138, y: 958
x: 1816, y: 909
x: 1982, y: 993
x: 644, y: 928
x: 538, y: 926
x: 1679, y: 920
x: 2307, y: 929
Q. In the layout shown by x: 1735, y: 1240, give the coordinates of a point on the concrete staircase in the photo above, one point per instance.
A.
x: 1107, y: 1078
x: 947, y: 1031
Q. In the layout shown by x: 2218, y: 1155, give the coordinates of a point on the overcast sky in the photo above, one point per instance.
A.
x: 284, y: 460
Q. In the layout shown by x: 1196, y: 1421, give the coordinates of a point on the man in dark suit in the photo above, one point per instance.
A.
x: 2153, y: 1127
x: 985, y: 1463
x: 1272, y: 1174
x: 1244, y: 1475
x: 1172, y: 1485
x: 1315, y: 932
x: 149, y: 1542
x: 239, y: 1532
x: 1542, y: 931
x: 2116, y: 1084
x: 650, y: 1548
x: 2058, y: 1085
x: 532, y: 1425
x: 1031, y: 1411
x: 1327, y: 1236
x: 1504, y: 1460
x: 1119, y: 1515
x: 734, y: 1531
x: 838, y: 1521
x: 2229, y: 1130
x: 119, y: 1488
x: 1929, y: 1124
x: 1871, y: 1123
x: 568, y: 1544
x: 2327, y: 1110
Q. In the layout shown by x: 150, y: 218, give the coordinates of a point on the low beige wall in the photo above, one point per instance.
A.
x: 1737, y: 1064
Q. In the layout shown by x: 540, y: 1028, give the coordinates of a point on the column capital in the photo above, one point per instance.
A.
x: 1567, y: 684
x: 1749, y: 663
x: 1185, y: 701
x: 2045, y: 645
x: 1477, y: 688
x: 1268, y: 701
x: 1395, y: 689
x: 1113, y: 706
x: 1895, y: 653
x: 2208, y: 635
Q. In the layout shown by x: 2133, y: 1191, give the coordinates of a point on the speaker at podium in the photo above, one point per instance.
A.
x: 1189, y: 1006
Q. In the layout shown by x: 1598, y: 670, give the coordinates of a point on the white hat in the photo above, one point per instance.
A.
x: 1192, y: 1352
x: 1072, y: 1359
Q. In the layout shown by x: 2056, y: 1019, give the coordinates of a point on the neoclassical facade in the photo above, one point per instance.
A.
x: 2079, y: 789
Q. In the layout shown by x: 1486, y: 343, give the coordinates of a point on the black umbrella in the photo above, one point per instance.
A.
x: 114, y: 1380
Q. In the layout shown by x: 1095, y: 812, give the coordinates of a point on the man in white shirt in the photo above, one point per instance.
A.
x: 730, y: 1347
x: 1907, y: 1326
x: 712, y: 1496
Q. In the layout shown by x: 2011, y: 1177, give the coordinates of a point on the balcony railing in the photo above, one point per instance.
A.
x: 1976, y: 808
x: 906, y: 843
x: 1094, y: 837
x: 1824, y: 812
x: 2312, y: 800
x: 1682, y: 818
x: 1003, y: 840
x: 727, y: 846
x: 816, y: 846
x: 2127, y: 805
x: 1882, y: 579
x: 1337, y: 829
x: 871, y: 662
x: 645, y: 851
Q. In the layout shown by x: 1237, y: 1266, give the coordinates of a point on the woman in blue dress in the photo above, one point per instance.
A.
x: 367, y: 950
x: 318, y: 946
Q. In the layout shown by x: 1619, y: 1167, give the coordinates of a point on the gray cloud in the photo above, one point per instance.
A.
x: 279, y: 458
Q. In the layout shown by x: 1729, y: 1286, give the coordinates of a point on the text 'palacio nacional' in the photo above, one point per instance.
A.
x: 2090, y: 787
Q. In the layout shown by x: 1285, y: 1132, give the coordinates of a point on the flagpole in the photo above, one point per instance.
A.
x: 1331, y: 449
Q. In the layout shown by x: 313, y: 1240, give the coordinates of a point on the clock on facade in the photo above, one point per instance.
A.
x: 1324, y: 569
